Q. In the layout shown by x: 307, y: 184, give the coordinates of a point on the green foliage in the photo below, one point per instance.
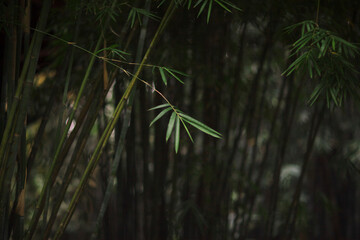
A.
x: 102, y: 9
x: 166, y: 72
x: 114, y: 51
x: 178, y: 116
x: 136, y: 13
x: 209, y: 3
x: 205, y: 4
x: 326, y: 58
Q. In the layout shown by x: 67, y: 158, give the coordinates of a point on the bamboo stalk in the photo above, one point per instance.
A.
x: 80, y: 145
x: 110, y: 126
x: 114, y: 168
x: 17, y: 116
x: 289, y: 225
x: 56, y: 164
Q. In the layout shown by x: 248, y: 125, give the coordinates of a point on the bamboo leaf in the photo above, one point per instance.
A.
x: 202, y: 7
x: 197, y: 3
x: 179, y: 72
x: 159, y: 106
x: 163, y: 77
x: 333, y: 94
x: 177, y: 134
x: 199, y: 125
x: 187, y: 131
x: 333, y: 44
x: 209, y: 11
x: 172, y: 74
x: 222, y: 5
x: 170, y: 125
x: 189, y: 4
x: 160, y: 115
x: 229, y: 4
x: 315, y: 94
x: 346, y: 43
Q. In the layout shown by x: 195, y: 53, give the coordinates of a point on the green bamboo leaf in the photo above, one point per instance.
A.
x: 199, y: 125
x: 229, y: 4
x: 209, y: 11
x: 172, y: 74
x: 163, y: 77
x: 177, y: 134
x: 189, y: 4
x: 310, y: 68
x: 315, y: 65
x: 132, y: 16
x: 170, y: 126
x: 159, y: 106
x: 315, y: 94
x: 333, y: 94
x: 197, y: 3
x: 161, y: 3
x: 222, y: 5
x: 187, y: 131
x: 333, y: 44
x: 346, y: 43
x: 179, y: 72
x: 296, y: 64
x: 160, y: 115
x: 202, y: 7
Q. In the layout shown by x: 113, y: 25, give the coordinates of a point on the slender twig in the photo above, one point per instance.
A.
x: 110, y: 126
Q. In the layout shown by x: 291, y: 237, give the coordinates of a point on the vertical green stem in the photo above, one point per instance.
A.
x: 110, y: 126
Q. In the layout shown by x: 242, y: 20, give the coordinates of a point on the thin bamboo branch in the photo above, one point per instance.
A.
x: 107, y: 132
x: 114, y: 168
x: 18, y: 113
x: 289, y: 225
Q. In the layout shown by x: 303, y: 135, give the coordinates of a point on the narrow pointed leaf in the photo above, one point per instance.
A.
x: 163, y: 77
x: 229, y: 4
x: 209, y: 11
x: 160, y: 115
x: 199, y: 125
x: 187, y: 131
x: 177, y: 134
x: 178, y: 72
x: 170, y: 125
x: 202, y: 7
x: 172, y: 74
x: 222, y: 5
x: 159, y: 106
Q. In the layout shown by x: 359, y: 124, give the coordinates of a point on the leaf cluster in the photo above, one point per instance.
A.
x: 114, y: 51
x: 166, y: 72
x: 178, y: 116
x: 326, y: 58
x: 205, y: 4
x: 137, y: 13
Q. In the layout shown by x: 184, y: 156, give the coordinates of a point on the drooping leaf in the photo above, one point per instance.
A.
x: 199, y: 125
x: 159, y: 106
x: 163, y: 77
x: 172, y: 74
x: 224, y: 2
x: 170, y: 125
x: 135, y: 13
x: 177, y: 134
x: 209, y: 11
x: 162, y: 113
x: 187, y: 131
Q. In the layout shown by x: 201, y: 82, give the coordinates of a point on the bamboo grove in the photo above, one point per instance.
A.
x: 179, y: 119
